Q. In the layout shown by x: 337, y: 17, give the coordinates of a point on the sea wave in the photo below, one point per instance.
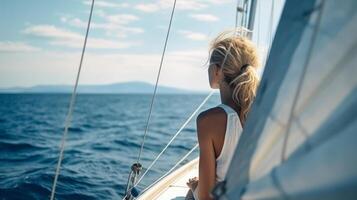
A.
x: 103, y: 141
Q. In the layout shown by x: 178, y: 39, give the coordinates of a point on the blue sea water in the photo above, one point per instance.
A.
x: 103, y: 142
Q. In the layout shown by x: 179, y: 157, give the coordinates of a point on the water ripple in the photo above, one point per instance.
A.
x: 103, y: 141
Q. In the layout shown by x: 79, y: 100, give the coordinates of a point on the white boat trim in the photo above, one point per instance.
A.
x: 174, y: 185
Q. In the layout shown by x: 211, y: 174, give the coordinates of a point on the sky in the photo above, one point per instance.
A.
x: 41, y: 40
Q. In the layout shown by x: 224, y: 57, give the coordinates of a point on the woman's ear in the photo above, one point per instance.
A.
x: 218, y: 72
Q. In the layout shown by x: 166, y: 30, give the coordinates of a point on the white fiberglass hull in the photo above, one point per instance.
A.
x: 174, y: 185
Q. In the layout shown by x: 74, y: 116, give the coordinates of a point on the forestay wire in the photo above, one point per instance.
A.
x: 157, y: 81
x: 136, y: 167
x: 71, y: 106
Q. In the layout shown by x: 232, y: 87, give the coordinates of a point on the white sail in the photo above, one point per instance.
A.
x: 300, y: 139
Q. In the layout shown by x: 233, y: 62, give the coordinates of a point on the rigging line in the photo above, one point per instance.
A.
x: 243, y: 13
x: 271, y: 23
x: 246, y: 13
x: 71, y: 105
x: 237, y: 11
x: 258, y: 27
x: 157, y: 81
x: 302, y: 77
x: 176, y: 134
x: 270, y: 32
x: 168, y: 172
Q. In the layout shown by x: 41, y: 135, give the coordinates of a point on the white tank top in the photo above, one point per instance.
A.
x: 233, y: 132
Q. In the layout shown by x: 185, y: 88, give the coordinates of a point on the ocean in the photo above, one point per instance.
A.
x: 103, y: 142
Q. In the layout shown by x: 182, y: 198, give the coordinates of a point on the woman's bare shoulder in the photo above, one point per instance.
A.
x: 212, y: 120
x: 211, y: 115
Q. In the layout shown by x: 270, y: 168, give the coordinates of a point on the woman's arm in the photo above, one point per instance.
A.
x: 207, y: 161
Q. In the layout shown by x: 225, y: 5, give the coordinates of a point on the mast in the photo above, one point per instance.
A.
x: 253, y: 6
x: 246, y: 10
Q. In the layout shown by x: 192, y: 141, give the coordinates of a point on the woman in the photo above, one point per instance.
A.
x: 232, y: 70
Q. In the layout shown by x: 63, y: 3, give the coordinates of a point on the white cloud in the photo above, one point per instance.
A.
x: 106, y: 4
x: 186, y: 4
x: 167, y: 4
x: 63, y: 19
x: 204, y: 17
x: 121, y: 18
x: 114, y: 25
x: 194, y: 35
x: 9, y: 46
x: 51, y: 31
x: 148, y: 7
x: 180, y: 5
x: 112, y: 21
x: 219, y: 1
x: 63, y: 37
x: 77, y: 23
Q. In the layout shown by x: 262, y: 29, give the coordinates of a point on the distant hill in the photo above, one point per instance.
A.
x: 115, y: 88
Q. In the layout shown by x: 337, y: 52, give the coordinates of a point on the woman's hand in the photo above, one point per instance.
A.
x: 192, y: 183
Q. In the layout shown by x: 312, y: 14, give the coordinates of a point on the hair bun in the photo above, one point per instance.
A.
x: 244, y: 67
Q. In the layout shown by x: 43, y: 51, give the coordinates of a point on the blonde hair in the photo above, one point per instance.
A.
x: 238, y: 58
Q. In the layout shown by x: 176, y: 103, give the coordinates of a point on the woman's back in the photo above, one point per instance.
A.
x: 225, y: 130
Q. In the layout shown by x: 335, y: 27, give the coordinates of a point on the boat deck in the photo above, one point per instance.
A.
x: 173, y: 186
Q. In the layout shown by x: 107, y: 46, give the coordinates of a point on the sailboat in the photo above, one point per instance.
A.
x: 300, y: 140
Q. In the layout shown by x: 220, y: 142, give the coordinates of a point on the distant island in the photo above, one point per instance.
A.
x: 115, y: 88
